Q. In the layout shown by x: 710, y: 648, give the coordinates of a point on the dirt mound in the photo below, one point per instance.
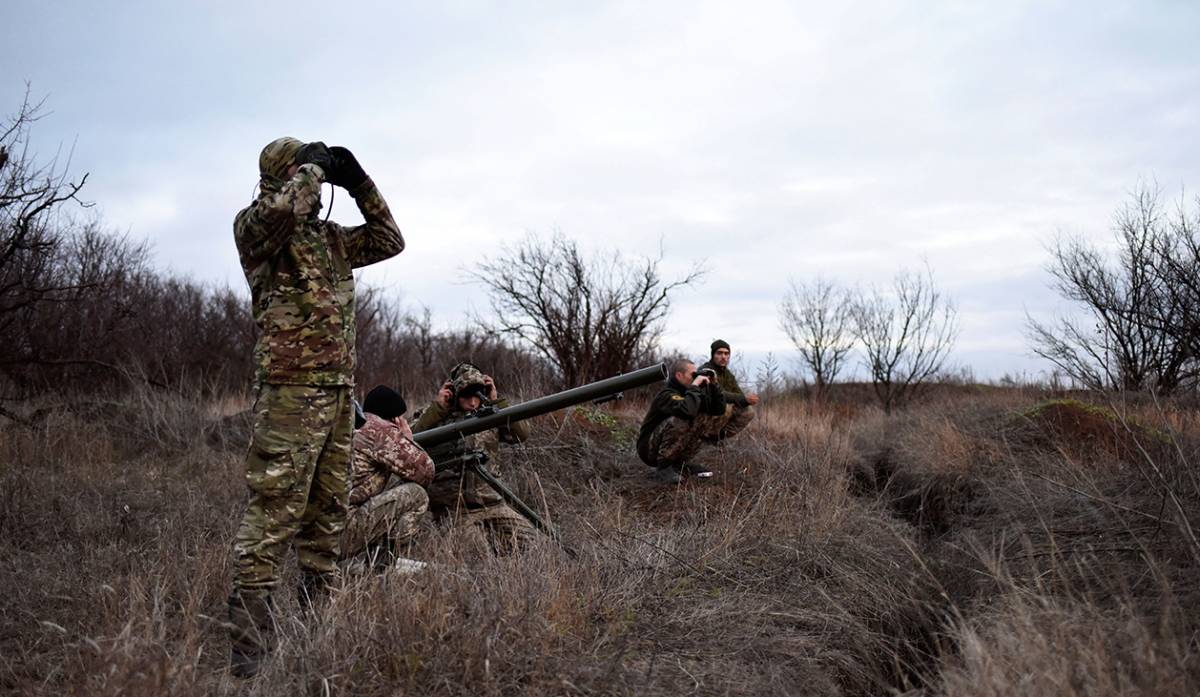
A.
x: 1084, y: 430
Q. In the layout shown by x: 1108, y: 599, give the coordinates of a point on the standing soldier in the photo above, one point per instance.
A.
x: 300, y: 272
x: 739, y: 407
x: 457, y: 494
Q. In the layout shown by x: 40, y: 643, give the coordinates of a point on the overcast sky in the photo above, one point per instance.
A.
x: 774, y: 140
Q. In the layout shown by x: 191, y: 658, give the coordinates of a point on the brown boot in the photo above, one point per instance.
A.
x: 251, y: 633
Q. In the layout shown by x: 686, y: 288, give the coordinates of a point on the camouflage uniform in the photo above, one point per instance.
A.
x: 381, y: 450
x: 459, y: 494
x: 678, y: 421
x: 299, y: 270
x: 738, y: 411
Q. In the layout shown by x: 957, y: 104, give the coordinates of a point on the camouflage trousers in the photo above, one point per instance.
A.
x: 393, y: 515
x: 297, y: 470
x: 675, y: 441
x: 505, y: 529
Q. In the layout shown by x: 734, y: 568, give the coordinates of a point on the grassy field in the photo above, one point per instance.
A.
x: 989, y: 542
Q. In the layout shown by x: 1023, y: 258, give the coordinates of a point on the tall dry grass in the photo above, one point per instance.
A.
x: 969, y: 546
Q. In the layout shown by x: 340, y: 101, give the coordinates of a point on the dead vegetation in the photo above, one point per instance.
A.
x: 971, y: 546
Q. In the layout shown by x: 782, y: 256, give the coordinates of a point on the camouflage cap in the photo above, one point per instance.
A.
x: 278, y: 156
x: 466, y: 379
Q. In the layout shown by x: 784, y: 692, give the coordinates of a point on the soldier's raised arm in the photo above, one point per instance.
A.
x: 379, y: 237
x: 261, y: 229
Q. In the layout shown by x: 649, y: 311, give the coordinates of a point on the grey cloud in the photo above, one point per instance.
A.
x: 776, y: 139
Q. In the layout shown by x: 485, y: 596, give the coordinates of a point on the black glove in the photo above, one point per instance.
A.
x: 347, y: 173
x: 715, y: 401
x: 315, y: 154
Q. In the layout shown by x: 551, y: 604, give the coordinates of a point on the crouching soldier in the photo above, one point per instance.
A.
x: 458, y: 495
x: 688, y: 411
x: 739, y: 407
x: 383, y: 517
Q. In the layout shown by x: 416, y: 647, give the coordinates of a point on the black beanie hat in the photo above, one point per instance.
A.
x: 718, y: 344
x: 384, y: 402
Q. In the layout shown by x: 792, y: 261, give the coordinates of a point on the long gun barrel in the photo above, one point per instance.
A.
x: 450, y: 436
x: 542, y: 405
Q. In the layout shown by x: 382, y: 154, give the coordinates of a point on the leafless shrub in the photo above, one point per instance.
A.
x: 79, y: 307
x: 591, y: 318
x: 402, y: 348
x: 906, y: 335
x: 1141, y: 316
x: 51, y: 266
x: 1177, y: 267
x: 772, y: 580
x: 818, y: 318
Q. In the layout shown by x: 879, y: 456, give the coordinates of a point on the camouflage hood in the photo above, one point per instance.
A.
x: 274, y: 160
x: 467, y: 378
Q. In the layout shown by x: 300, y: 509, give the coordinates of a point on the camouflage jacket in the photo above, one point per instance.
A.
x: 381, y: 450
x: 454, y: 488
x: 679, y: 401
x: 729, y: 385
x: 300, y: 272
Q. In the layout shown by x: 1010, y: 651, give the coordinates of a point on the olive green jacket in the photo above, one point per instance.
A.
x: 729, y: 385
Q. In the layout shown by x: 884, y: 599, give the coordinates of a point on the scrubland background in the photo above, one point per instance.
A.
x: 918, y: 535
x: 987, y: 541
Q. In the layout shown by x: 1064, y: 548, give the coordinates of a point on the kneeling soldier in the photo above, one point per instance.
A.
x: 690, y: 409
x: 382, y: 516
x: 457, y: 494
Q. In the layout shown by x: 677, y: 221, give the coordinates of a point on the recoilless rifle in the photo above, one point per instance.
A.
x: 448, y: 447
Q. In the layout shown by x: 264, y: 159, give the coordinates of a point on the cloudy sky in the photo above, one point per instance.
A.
x: 776, y: 141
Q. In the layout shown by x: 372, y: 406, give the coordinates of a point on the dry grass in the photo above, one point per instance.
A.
x: 958, y: 548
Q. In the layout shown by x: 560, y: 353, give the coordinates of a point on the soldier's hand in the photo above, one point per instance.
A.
x: 752, y: 399
x: 315, y: 154
x: 700, y: 381
x: 445, y: 394
x: 405, y: 428
x: 347, y: 173
x: 490, y: 383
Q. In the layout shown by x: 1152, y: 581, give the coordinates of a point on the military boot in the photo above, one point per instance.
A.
x: 251, y: 633
x: 313, y: 590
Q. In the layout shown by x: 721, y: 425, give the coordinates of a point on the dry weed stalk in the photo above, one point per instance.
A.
x: 984, y: 557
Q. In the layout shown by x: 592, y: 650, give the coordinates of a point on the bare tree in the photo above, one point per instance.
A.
x: 591, y: 318
x: 81, y: 310
x: 1140, y: 312
x: 79, y: 306
x: 60, y: 280
x: 1177, y: 314
x: 31, y: 235
x: 906, y: 335
x: 817, y: 318
x: 401, y: 348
